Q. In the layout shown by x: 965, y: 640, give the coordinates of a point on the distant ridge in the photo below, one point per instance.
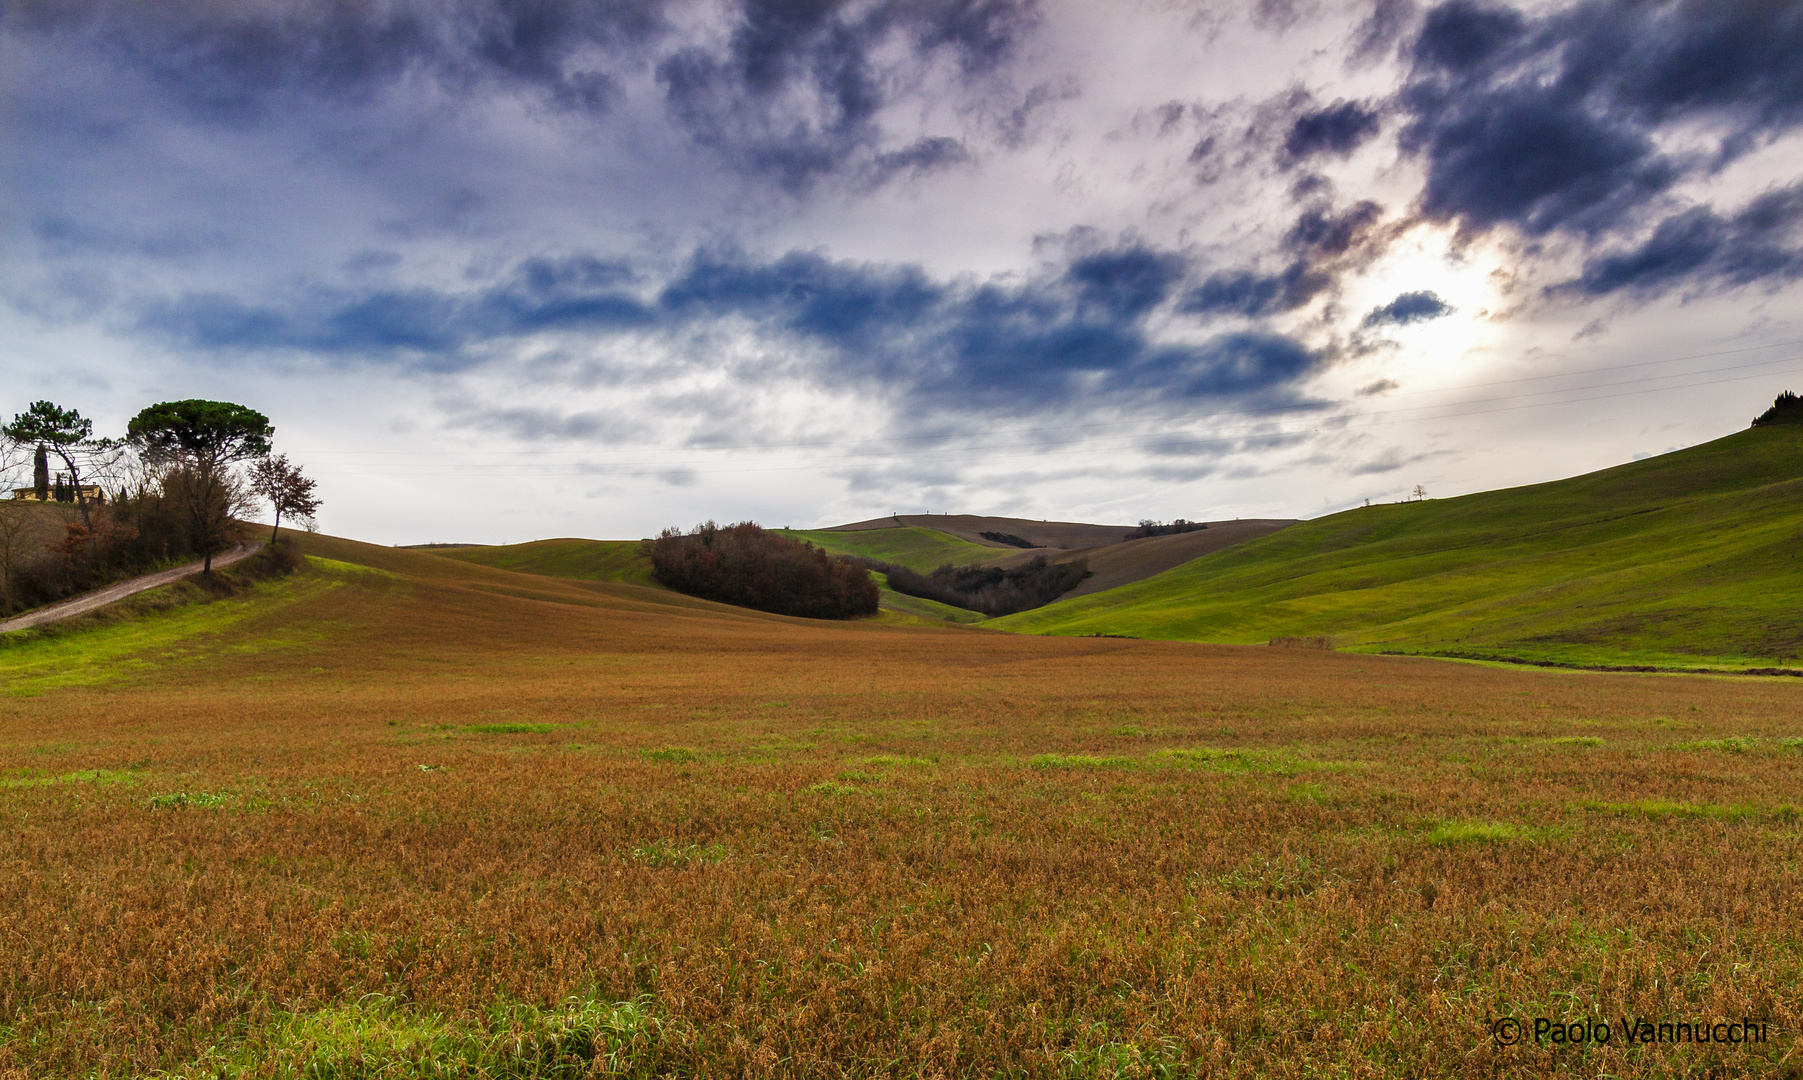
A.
x: 971, y: 527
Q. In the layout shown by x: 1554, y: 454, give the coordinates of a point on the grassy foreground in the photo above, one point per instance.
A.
x: 1689, y: 557
x: 404, y: 816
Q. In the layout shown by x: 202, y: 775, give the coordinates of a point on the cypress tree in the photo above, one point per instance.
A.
x: 40, y: 473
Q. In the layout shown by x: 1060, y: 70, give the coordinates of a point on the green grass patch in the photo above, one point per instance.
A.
x: 1736, y: 745
x: 1576, y: 740
x: 1080, y: 761
x: 26, y: 778
x: 832, y: 789
x: 510, y: 729
x: 378, y: 1037
x: 1652, y: 808
x: 1234, y: 760
x: 1685, y: 559
x: 886, y: 761
x: 913, y: 547
x: 160, y: 628
x: 670, y: 755
x: 1482, y: 832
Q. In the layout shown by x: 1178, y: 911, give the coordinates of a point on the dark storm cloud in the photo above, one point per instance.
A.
x: 1550, y: 123
x: 1410, y: 307
x: 1322, y: 244
x: 541, y: 295
x: 1336, y: 131
x: 229, y: 59
x: 1071, y: 339
x: 795, y: 92
x: 1700, y: 246
x: 792, y: 92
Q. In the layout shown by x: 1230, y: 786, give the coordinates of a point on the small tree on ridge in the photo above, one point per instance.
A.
x: 287, y: 490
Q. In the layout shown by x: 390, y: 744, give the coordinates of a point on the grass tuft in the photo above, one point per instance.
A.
x: 196, y: 800
x: 1481, y: 832
x: 510, y: 729
x: 885, y: 761
x: 661, y: 853
x: 1733, y: 745
x: 671, y: 754
x: 1080, y: 761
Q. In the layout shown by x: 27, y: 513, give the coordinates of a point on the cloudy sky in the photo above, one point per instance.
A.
x: 504, y: 269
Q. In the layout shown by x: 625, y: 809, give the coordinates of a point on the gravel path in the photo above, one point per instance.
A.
x: 100, y: 598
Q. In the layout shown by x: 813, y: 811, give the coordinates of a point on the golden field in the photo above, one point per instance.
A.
x: 403, y: 816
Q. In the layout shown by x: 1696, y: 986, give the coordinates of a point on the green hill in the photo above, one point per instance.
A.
x: 1694, y: 555
x: 581, y: 560
x: 915, y: 548
x: 620, y: 561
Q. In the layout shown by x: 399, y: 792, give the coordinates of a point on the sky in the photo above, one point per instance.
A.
x: 499, y: 270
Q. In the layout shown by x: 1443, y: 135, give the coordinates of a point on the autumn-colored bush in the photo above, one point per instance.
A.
x: 747, y: 565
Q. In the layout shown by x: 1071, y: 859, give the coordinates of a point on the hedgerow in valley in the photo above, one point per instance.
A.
x: 992, y: 590
x: 749, y: 566
x: 446, y: 820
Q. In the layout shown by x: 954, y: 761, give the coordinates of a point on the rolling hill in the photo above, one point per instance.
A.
x: 1693, y: 555
x: 578, y: 560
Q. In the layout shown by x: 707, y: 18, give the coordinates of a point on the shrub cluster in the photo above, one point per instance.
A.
x: 1148, y: 527
x: 748, y: 566
x: 1008, y: 538
x: 1786, y: 409
x: 48, y: 554
x: 991, y: 589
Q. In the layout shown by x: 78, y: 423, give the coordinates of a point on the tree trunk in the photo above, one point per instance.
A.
x: 81, y: 497
x: 278, y: 526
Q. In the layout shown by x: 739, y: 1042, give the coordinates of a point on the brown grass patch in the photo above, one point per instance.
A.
x: 798, y: 849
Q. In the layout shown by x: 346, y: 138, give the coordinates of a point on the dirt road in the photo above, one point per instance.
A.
x: 100, y: 598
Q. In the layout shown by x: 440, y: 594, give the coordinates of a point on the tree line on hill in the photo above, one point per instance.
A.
x: 991, y: 590
x: 1787, y: 408
x: 99, y: 509
x: 1148, y: 527
x: 749, y: 566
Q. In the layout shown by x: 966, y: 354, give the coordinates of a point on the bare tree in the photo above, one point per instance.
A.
x: 287, y: 490
x: 1420, y: 492
x: 13, y: 519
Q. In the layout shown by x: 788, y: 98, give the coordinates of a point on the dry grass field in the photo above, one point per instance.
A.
x: 404, y: 816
